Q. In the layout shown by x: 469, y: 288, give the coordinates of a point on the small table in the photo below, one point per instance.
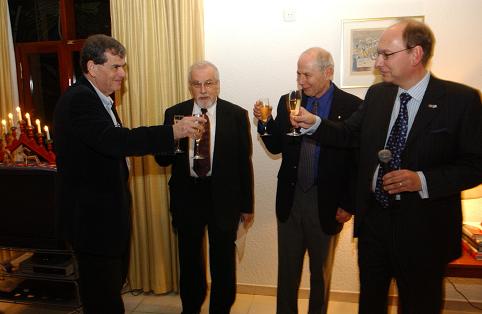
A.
x: 466, y: 266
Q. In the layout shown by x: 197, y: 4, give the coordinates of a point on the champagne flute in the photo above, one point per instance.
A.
x: 293, y: 105
x: 178, y: 149
x: 266, y: 110
x: 197, y: 139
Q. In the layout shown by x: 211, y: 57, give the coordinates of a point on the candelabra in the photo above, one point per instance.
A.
x: 14, y: 148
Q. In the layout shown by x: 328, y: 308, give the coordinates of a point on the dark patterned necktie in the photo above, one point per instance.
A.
x: 307, y: 164
x: 396, y: 144
x: 202, y: 166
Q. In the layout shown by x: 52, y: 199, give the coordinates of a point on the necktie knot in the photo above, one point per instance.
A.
x: 404, y: 98
x: 314, y: 107
x: 204, y: 110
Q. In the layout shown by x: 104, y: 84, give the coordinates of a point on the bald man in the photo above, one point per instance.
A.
x: 314, y: 196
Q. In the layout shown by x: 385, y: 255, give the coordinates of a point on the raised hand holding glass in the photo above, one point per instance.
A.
x: 266, y: 110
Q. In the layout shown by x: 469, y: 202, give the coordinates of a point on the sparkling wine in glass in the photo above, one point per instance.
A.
x: 178, y: 118
x: 293, y: 104
x: 266, y: 110
x: 197, y: 139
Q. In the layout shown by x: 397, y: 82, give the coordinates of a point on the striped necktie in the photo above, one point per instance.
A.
x: 307, y: 163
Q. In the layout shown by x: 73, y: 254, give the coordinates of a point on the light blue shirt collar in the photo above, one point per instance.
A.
x: 418, y: 90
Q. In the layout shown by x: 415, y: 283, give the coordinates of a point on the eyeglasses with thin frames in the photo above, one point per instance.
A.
x: 208, y: 84
x: 386, y: 55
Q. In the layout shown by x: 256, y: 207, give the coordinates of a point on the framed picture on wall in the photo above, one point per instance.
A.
x: 359, y: 49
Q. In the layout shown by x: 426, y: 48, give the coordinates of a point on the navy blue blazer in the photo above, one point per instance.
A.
x: 336, y: 166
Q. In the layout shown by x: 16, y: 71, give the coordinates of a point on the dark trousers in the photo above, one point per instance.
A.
x: 420, y: 286
x: 302, y: 233
x: 101, y: 281
x: 192, y: 259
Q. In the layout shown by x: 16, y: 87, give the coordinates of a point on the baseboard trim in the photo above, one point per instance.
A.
x: 352, y: 297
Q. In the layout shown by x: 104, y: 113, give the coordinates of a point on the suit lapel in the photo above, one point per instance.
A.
x: 186, y: 108
x: 338, y: 106
x: 384, y: 112
x: 429, y: 108
x: 84, y: 81
x: 221, y: 124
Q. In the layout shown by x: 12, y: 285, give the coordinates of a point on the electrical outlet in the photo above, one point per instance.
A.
x: 289, y: 14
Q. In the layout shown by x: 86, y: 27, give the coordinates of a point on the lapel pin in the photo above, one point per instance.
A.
x: 432, y: 106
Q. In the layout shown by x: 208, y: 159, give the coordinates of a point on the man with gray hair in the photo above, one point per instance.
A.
x: 314, y: 196
x: 211, y: 188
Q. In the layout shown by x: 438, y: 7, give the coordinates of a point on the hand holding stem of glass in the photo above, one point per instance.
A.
x: 197, y: 139
x: 178, y: 118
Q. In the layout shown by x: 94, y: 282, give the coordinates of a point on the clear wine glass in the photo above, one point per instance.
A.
x: 293, y: 106
x: 178, y: 149
x: 266, y: 110
x: 197, y: 139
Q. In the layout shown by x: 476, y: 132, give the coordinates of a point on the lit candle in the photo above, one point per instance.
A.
x: 46, y: 128
x: 19, y: 114
x: 39, y: 129
x: 27, y: 115
x: 10, y: 120
x: 4, y: 134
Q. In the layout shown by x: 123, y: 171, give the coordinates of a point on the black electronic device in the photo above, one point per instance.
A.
x: 28, y: 214
x: 49, y: 264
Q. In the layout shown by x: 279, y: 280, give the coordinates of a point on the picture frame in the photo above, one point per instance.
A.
x: 359, y: 49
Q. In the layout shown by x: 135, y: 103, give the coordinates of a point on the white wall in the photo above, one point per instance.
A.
x: 256, y: 52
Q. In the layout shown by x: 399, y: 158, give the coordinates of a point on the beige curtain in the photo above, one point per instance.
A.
x: 8, y: 88
x: 163, y: 38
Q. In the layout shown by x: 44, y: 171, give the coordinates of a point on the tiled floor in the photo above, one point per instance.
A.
x: 170, y: 304
x: 245, y: 304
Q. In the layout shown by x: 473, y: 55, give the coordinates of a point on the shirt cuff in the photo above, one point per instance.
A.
x: 260, y: 127
x: 424, y: 192
x: 312, y: 129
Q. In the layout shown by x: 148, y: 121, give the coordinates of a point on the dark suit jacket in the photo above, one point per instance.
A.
x: 92, y: 190
x: 336, y: 166
x: 231, y: 173
x: 445, y: 143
